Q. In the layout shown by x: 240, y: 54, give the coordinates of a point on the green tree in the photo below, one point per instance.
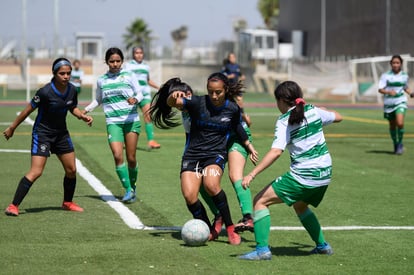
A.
x: 137, y: 34
x: 269, y: 9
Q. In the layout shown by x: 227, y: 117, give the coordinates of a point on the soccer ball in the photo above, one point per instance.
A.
x: 195, y: 232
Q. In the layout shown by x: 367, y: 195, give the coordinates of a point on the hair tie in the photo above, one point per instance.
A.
x: 299, y: 101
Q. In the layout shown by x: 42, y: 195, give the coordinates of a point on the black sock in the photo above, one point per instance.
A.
x: 69, y: 186
x: 220, y: 200
x: 22, y: 190
x: 199, y: 212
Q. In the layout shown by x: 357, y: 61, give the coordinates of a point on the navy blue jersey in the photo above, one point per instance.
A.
x: 53, y: 107
x: 211, y: 127
x: 232, y: 68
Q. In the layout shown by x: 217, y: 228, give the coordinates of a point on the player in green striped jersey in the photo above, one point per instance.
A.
x: 119, y: 94
x: 393, y: 85
x: 298, y: 129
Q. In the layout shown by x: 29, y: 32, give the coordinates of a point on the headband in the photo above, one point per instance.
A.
x: 60, y: 64
x: 299, y: 101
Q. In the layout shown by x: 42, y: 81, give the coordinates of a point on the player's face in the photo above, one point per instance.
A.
x: 115, y: 63
x: 216, y: 92
x: 396, y: 65
x: 138, y: 55
x: 62, y: 76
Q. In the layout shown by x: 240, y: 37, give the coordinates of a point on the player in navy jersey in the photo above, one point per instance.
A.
x: 213, y: 117
x: 231, y: 69
x: 50, y: 134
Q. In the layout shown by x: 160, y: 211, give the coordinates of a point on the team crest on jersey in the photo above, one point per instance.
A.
x: 43, y: 148
x: 36, y: 99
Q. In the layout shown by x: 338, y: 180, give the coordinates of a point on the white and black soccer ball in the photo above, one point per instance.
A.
x: 195, y: 232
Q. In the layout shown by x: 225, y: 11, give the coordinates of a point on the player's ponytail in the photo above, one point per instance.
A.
x: 161, y: 113
x: 290, y: 93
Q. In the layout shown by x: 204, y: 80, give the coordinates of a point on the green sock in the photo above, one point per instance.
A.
x: 244, y: 196
x: 400, y: 134
x: 149, y: 129
x: 133, y: 175
x: 122, y: 172
x: 311, y: 224
x: 393, y: 134
x: 206, y: 197
x: 262, y: 227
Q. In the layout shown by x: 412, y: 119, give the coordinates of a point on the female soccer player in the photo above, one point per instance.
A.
x: 119, y: 93
x: 213, y: 116
x: 142, y: 73
x: 50, y: 134
x: 299, y: 129
x: 77, y: 76
x: 392, y: 85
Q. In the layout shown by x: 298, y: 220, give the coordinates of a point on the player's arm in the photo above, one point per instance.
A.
x: 81, y: 115
x: 268, y: 159
x: 8, y: 133
x: 152, y: 83
x: 176, y: 99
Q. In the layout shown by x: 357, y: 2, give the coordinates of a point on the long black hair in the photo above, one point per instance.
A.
x: 291, y: 93
x: 232, y: 89
x: 161, y: 113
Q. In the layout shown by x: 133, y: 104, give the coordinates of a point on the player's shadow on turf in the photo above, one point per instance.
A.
x: 103, y: 197
x: 174, y: 234
x: 380, y: 152
x: 42, y: 209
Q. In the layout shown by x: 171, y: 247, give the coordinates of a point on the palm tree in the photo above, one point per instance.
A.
x: 269, y: 9
x: 137, y: 34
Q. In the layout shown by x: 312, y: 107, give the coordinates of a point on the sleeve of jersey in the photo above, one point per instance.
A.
x: 281, y: 135
x: 326, y: 116
x: 382, y: 82
x: 239, y: 127
x: 36, y: 99
x: 137, y: 89
x: 97, y: 101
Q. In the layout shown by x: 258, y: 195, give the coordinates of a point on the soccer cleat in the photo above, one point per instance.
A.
x: 234, y: 238
x: 213, y: 235
x: 262, y: 253
x: 244, y: 225
x: 71, y: 206
x: 218, y: 224
x: 152, y: 144
x: 12, y: 210
x: 129, y: 197
x: 400, y: 149
x: 322, y: 249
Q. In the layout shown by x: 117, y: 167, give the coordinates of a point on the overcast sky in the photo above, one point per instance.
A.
x: 208, y: 21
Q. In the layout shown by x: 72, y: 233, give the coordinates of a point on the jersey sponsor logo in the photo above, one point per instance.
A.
x: 225, y: 119
x: 69, y: 102
x: 36, y: 99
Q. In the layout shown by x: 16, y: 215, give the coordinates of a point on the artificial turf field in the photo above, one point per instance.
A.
x: 366, y: 210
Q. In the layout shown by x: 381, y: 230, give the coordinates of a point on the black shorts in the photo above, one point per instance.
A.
x: 198, y: 165
x: 44, y: 144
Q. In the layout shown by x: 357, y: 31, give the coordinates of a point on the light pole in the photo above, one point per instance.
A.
x: 387, y: 26
x: 323, y: 29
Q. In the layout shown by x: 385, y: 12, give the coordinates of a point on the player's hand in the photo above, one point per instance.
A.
x: 87, y: 119
x: 132, y: 100
x: 8, y: 133
x: 247, y: 180
x: 178, y: 94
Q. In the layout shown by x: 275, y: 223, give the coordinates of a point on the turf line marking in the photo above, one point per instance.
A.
x: 129, y: 217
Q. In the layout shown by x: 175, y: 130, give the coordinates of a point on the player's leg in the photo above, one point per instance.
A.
x: 392, y: 128
x: 131, y: 140
x: 36, y: 169
x: 149, y: 127
x: 399, y: 121
x: 116, y: 144
x: 69, y: 181
x: 190, y: 186
x: 236, y: 164
x: 267, y: 196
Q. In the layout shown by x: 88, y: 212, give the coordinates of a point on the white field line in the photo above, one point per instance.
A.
x: 132, y: 220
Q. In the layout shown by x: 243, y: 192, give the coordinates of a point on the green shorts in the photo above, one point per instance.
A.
x: 116, y: 132
x: 235, y: 146
x: 391, y: 116
x: 289, y: 190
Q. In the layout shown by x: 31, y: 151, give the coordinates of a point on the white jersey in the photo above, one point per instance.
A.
x: 397, y: 82
x: 112, y: 92
x: 141, y: 71
x: 76, y: 75
x: 311, y: 162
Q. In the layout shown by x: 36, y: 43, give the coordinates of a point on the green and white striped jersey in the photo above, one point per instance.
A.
x: 112, y: 92
x: 76, y: 75
x: 397, y: 82
x: 311, y: 162
x: 141, y: 71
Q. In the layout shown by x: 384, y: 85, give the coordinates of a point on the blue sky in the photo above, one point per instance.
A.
x: 208, y: 21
